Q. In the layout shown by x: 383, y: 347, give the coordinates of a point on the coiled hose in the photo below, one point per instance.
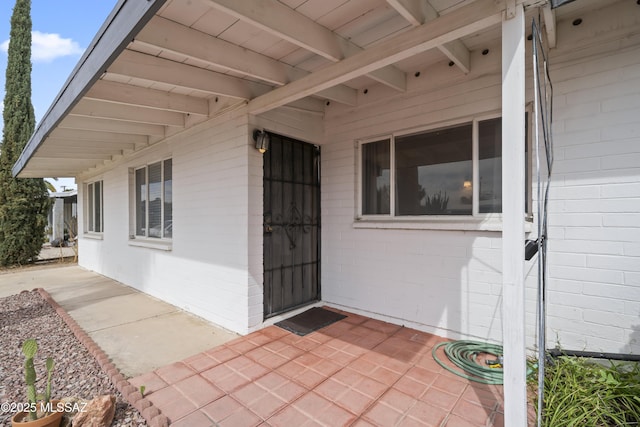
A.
x: 463, y: 354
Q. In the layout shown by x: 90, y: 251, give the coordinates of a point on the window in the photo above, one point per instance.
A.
x: 452, y: 171
x: 154, y: 200
x: 490, y: 166
x: 376, y: 178
x: 93, y: 210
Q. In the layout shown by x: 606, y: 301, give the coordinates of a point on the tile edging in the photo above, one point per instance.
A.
x: 150, y: 413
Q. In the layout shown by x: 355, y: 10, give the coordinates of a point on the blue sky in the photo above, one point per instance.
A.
x: 62, y: 30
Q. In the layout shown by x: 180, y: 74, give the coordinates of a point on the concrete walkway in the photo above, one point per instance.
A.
x: 49, y: 253
x: 138, y: 332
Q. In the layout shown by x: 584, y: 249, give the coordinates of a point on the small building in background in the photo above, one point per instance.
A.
x: 63, y: 216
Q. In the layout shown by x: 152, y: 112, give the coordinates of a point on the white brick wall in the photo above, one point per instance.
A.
x: 449, y: 282
x: 593, y: 298
x: 214, y: 268
x: 206, y: 270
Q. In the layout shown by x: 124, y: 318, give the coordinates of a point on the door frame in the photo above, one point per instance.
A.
x: 317, y: 270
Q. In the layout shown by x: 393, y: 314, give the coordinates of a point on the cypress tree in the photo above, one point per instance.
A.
x: 24, y: 202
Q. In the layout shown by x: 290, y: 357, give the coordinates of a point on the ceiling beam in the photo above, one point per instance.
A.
x: 88, y: 136
x: 276, y: 18
x: 33, y: 172
x: 550, y: 25
x: 463, y: 21
x: 61, y: 147
x: 59, y: 154
x: 410, y: 10
x: 171, y: 36
x: 282, y: 21
x: 121, y: 93
x: 177, y: 38
x: 127, y: 113
x: 114, y: 126
x: 418, y: 12
x: 72, y: 164
x: 340, y: 93
x: 155, y: 69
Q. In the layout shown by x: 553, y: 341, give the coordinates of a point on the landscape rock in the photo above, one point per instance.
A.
x: 76, y: 372
x: 98, y: 412
x: 72, y: 406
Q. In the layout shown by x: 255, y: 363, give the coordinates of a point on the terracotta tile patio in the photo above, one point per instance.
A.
x: 358, y: 371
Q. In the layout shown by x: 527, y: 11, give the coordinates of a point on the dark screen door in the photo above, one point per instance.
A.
x: 291, y: 225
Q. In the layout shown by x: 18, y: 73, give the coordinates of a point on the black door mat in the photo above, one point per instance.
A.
x: 310, y: 320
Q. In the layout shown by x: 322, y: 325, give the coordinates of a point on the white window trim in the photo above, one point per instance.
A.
x: 93, y: 235
x: 392, y: 194
x: 89, y: 201
x: 475, y: 222
x: 146, y: 242
x: 492, y: 222
x: 161, y: 243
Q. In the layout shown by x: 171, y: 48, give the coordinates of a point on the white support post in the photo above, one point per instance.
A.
x: 513, y: 215
x: 58, y: 219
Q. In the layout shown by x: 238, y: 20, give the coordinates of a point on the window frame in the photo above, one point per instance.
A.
x: 146, y: 239
x: 90, y: 210
x: 492, y: 220
x: 360, y: 180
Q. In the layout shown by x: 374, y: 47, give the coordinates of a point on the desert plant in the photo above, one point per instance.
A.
x: 29, y: 349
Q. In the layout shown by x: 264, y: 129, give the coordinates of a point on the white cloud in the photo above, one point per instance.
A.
x: 46, y: 47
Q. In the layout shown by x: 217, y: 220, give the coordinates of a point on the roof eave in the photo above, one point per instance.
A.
x: 124, y: 22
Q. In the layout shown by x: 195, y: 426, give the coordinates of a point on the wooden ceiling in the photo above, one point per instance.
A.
x: 186, y: 61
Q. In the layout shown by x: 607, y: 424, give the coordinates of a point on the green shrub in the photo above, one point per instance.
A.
x: 24, y: 202
x: 585, y: 393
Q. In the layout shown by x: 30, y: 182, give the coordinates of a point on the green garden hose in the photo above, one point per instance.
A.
x: 463, y: 354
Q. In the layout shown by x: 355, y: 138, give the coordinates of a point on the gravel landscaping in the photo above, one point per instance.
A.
x: 76, y: 373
